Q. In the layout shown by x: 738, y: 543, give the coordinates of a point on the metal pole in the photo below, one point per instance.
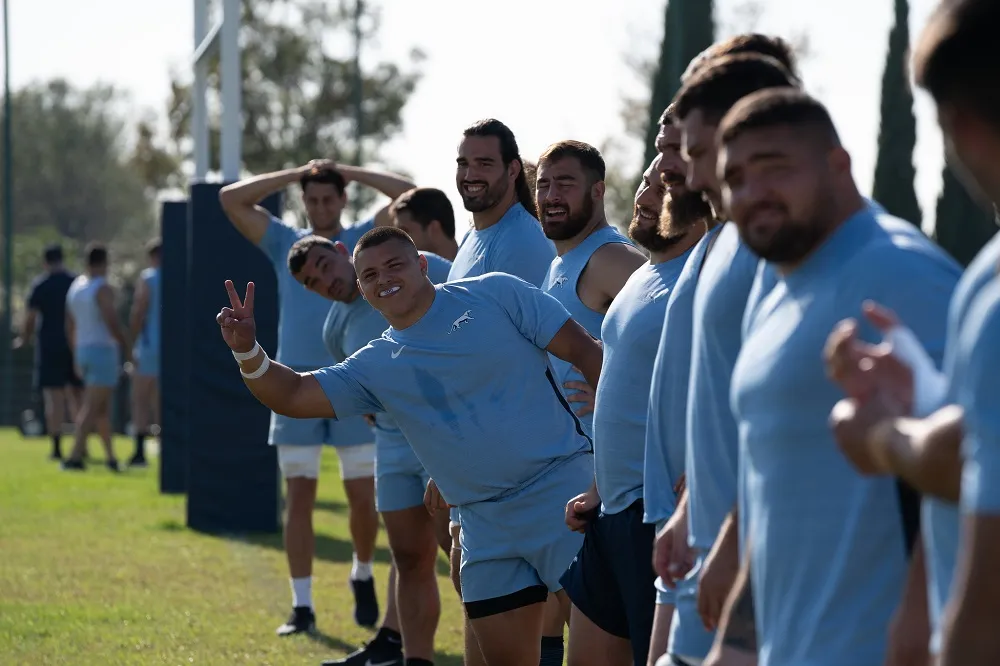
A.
x: 199, y: 103
x: 8, y: 223
x: 358, y: 101
x: 232, y: 88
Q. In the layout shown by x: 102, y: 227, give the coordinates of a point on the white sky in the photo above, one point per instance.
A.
x: 550, y: 69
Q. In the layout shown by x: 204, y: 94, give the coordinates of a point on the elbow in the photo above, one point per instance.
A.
x: 229, y: 197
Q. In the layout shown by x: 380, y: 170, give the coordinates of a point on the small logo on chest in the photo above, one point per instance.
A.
x: 461, y: 321
x: 560, y: 281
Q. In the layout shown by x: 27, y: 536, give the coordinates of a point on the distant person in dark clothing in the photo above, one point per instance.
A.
x: 46, y: 317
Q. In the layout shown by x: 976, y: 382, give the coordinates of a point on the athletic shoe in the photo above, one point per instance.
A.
x: 113, y: 466
x: 71, y: 465
x: 55, y: 455
x: 302, y: 620
x: 138, y: 461
x: 380, y: 651
x: 365, y: 602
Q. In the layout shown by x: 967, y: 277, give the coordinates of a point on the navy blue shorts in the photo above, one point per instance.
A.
x: 54, y: 369
x: 611, y: 579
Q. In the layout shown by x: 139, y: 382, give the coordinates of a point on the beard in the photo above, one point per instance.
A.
x: 682, y: 212
x: 647, y: 234
x: 575, y: 222
x: 488, y: 198
x: 795, y: 238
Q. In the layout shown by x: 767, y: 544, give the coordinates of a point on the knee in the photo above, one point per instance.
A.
x: 411, y: 559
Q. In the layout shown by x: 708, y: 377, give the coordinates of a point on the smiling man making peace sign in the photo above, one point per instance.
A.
x: 469, y: 356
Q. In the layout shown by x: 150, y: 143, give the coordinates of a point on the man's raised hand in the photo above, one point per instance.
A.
x: 237, y: 324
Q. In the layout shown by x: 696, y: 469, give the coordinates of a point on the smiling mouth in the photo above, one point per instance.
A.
x: 646, y: 215
x: 556, y: 214
x: 474, y: 188
x: 385, y: 293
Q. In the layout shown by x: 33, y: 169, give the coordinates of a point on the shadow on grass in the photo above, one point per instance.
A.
x: 335, y: 506
x: 328, y: 548
x: 333, y: 643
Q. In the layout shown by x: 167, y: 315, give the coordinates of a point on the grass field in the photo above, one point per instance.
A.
x: 99, y: 569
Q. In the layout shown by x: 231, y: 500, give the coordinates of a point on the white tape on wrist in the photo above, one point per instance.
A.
x: 930, y: 386
x: 246, y: 356
x: 265, y: 364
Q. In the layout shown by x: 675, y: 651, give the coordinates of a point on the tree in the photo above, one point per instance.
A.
x: 894, y: 170
x: 962, y: 226
x: 298, y: 97
x: 71, y: 180
x: 688, y: 30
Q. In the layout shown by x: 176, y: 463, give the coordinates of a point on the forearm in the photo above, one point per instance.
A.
x: 389, y: 184
x: 135, y: 322
x: 926, y: 453
x: 276, y: 388
x: 738, y: 626
x: 251, y: 191
x: 28, y: 326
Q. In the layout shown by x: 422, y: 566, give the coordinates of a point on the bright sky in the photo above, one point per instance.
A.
x: 550, y: 69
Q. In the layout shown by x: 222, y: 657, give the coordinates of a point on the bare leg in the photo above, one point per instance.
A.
x: 414, y: 550
x: 495, y: 636
x: 362, y: 517
x: 473, y: 654
x: 589, y: 645
x: 300, y: 541
x: 662, y: 617
x: 55, y: 416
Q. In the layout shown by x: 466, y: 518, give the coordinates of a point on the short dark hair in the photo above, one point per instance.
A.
x: 589, y: 157
x: 325, y: 176
x: 957, y: 60
x: 774, y: 107
x: 96, y: 254
x: 53, y: 254
x: 299, y: 251
x: 750, y: 42
x: 509, y: 152
x: 426, y: 204
x: 726, y: 80
x: 154, y: 247
x: 380, y: 235
x: 668, y: 115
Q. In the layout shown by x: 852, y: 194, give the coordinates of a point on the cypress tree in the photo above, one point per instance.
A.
x: 688, y: 30
x: 894, y: 170
x: 962, y: 226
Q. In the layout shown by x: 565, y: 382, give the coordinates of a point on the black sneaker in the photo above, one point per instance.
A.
x: 113, y: 466
x: 71, y: 465
x: 302, y: 620
x: 55, y: 455
x: 365, y: 603
x: 377, y: 652
x: 138, y: 461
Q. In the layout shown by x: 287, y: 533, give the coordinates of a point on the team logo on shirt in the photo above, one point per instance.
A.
x: 466, y: 317
x: 653, y: 296
x: 560, y: 281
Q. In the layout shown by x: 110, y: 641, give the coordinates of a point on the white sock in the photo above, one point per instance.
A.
x: 302, y: 594
x: 361, y: 570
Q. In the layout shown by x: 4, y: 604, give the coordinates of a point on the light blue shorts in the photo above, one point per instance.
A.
x: 400, y: 479
x: 99, y: 366
x: 521, y: 540
x: 288, y: 431
x: 688, y: 635
x: 147, y: 362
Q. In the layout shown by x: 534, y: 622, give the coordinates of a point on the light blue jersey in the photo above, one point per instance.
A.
x: 349, y: 327
x: 630, y: 334
x: 561, y: 282
x: 147, y: 350
x: 711, y: 461
x: 940, y: 519
x: 301, y: 312
x: 515, y: 245
x: 978, y: 394
x: 828, y: 548
x: 472, y: 390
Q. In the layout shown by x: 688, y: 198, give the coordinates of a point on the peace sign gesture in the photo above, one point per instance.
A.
x: 238, y: 327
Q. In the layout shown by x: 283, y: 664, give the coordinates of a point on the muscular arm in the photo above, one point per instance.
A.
x: 240, y: 200
x: 970, y: 633
x: 389, y: 184
x: 574, y: 345
x: 926, y: 453
x: 106, y: 304
x: 606, y: 273
x: 286, y: 392
x: 140, y: 304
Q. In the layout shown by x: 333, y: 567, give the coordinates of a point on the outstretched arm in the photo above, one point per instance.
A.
x: 277, y: 387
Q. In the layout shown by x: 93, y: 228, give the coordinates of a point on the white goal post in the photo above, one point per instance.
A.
x: 223, y: 36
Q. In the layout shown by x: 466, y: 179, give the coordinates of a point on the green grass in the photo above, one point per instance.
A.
x: 99, y: 569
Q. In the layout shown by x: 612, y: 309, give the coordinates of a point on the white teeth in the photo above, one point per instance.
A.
x: 474, y: 188
x: 388, y: 292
